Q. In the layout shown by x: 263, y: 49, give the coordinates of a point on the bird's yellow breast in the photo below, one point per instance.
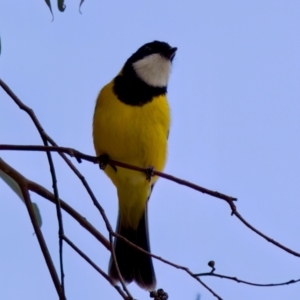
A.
x: 133, y: 134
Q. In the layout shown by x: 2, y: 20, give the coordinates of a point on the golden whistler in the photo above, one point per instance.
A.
x: 131, y: 125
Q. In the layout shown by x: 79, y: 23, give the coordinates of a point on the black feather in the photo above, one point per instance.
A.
x: 133, y: 264
x: 133, y: 91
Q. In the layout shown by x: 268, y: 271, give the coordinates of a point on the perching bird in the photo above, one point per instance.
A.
x: 131, y: 125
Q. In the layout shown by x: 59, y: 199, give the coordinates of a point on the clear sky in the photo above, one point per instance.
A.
x: 235, y: 98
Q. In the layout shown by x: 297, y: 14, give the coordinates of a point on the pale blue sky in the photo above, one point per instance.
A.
x: 235, y: 98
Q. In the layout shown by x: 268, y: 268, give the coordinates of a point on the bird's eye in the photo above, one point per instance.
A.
x: 147, y: 48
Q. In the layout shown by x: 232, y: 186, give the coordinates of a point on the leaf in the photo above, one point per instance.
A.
x: 61, y: 5
x: 50, y: 8
x: 15, y: 187
x: 12, y: 184
x: 37, y: 214
x: 81, y: 2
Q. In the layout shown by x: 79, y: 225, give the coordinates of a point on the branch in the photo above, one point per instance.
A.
x: 43, y: 135
x: 94, y: 159
x: 81, y: 156
x: 84, y: 256
x: 29, y: 185
x: 22, y: 182
x: 46, y: 137
x: 43, y: 192
x: 96, y: 203
x: 246, y: 282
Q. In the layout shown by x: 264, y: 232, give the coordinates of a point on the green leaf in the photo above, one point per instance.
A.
x: 37, y: 214
x: 12, y: 184
x: 61, y: 5
x: 50, y: 8
x: 15, y: 187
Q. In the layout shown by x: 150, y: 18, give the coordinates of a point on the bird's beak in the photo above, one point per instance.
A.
x: 170, y: 53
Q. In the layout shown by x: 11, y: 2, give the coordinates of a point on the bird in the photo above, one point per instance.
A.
x: 131, y: 124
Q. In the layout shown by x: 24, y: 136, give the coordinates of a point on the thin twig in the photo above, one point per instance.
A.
x: 84, y: 256
x: 108, y: 244
x: 247, y: 282
x: 43, y: 192
x: 81, y: 156
x: 24, y: 189
x: 167, y: 262
x: 113, y: 254
x: 46, y: 138
x: 41, y: 131
x: 94, y: 159
x: 238, y: 215
x: 52, y: 142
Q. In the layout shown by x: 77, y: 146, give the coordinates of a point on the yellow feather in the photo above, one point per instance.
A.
x: 135, y: 135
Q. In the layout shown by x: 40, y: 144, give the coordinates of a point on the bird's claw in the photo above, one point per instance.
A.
x: 149, y: 173
x: 103, y: 161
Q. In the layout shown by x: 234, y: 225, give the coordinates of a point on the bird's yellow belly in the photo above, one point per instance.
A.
x: 135, y: 135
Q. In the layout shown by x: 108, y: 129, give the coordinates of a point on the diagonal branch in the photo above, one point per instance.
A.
x: 46, y: 138
x: 26, y: 185
x: 84, y: 256
x: 42, y: 133
x: 81, y: 156
x: 22, y: 182
x: 43, y: 192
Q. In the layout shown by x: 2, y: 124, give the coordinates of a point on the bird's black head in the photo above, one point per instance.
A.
x: 145, y: 74
x: 155, y: 47
x: 152, y: 63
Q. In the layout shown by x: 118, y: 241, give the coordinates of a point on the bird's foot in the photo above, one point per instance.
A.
x: 103, y: 161
x: 149, y: 173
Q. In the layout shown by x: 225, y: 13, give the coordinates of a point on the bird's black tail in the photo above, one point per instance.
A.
x: 133, y: 264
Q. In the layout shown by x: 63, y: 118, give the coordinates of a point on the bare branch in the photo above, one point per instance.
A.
x: 94, y: 159
x: 27, y: 185
x: 22, y: 182
x: 168, y: 263
x: 247, y: 282
x: 81, y: 156
x: 112, y: 250
x: 46, y: 138
x: 84, y: 256
x: 43, y: 136
x: 40, y: 190
x: 43, y: 192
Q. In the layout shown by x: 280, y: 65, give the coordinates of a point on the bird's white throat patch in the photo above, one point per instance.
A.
x: 153, y: 70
